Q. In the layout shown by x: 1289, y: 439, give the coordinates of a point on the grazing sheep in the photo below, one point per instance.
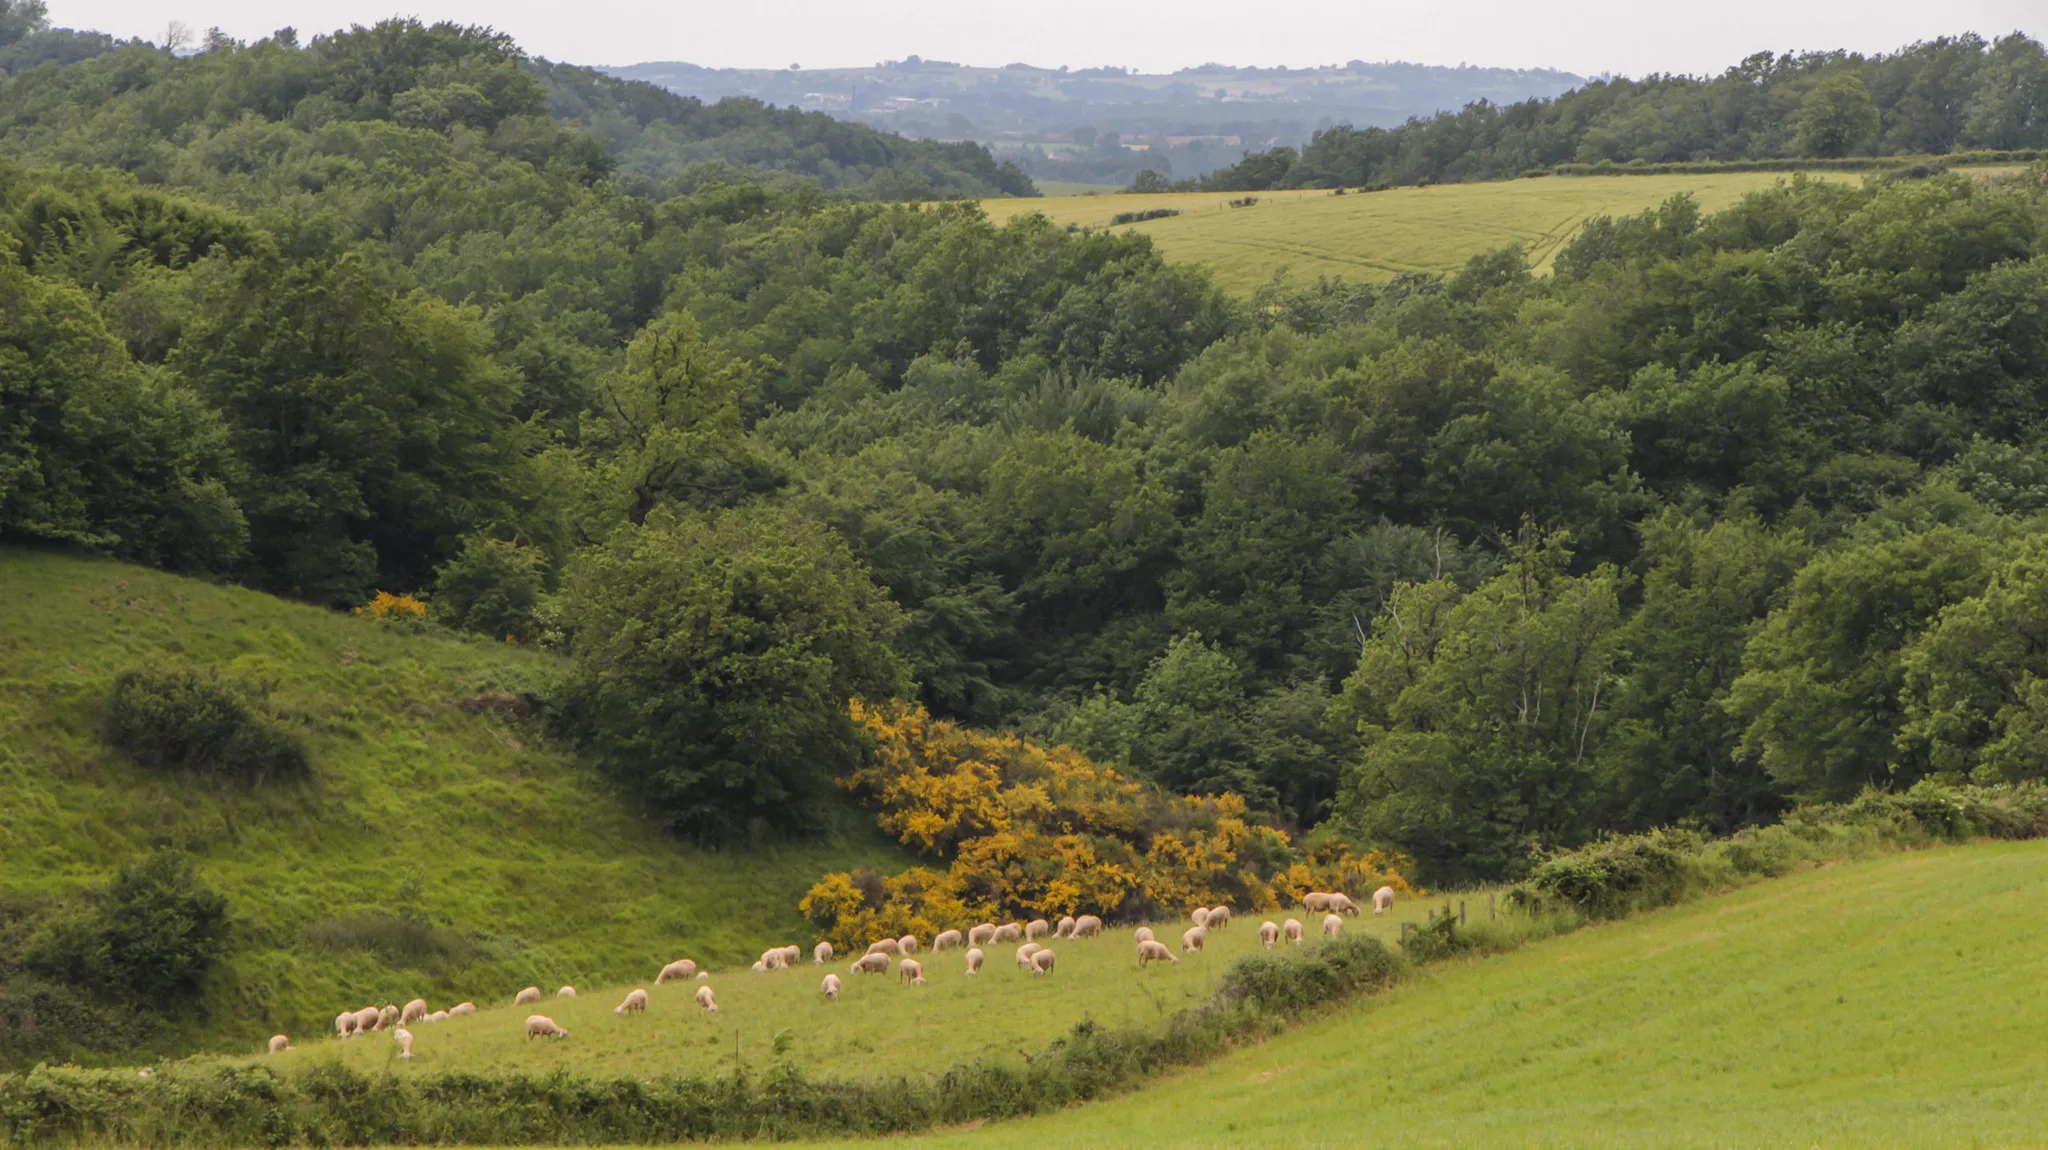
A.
x: 566, y: 992
x: 462, y: 1008
x: 1291, y: 930
x: 873, y: 962
x: 279, y: 1044
x: 1041, y: 963
x: 1342, y: 904
x: 947, y: 940
x: 831, y: 987
x: 541, y: 1026
x: 413, y: 1012
x: 1200, y: 916
x: 345, y: 1024
x: 386, y: 1015
x: 1315, y: 902
x: 681, y: 968
x: 1269, y: 933
x: 1037, y: 928
x: 437, y: 1016
x: 369, y: 1018
x: 821, y: 954
x: 1143, y: 934
x: 1065, y: 927
x: 707, y: 1000
x: 1025, y: 952
x: 530, y: 994
x: 774, y: 958
x: 1008, y: 932
x: 403, y: 1037
x: 885, y: 946
x: 1192, y: 938
x: 1149, y: 951
x: 1219, y: 917
x: 1332, y: 926
x: 634, y: 1004
x: 1087, y: 926
x: 1383, y: 900
x: 984, y: 933
x: 907, y: 944
x: 760, y: 967
x: 911, y: 971
x: 702, y: 975
x: 974, y: 960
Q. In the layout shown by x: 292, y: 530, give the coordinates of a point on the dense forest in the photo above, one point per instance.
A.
x: 1729, y: 511
x: 1932, y: 98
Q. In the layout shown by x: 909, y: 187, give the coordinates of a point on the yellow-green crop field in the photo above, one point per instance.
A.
x: 880, y: 1026
x: 1374, y: 236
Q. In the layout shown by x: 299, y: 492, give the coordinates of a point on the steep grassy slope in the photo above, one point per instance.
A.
x: 422, y: 809
x: 1896, y: 1001
x: 1376, y: 235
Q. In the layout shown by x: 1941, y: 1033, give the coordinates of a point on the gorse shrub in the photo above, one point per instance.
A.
x: 186, y: 720
x: 386, y: 607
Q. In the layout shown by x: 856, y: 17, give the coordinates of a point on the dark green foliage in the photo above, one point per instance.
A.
x: 1140, y: 217
x: 182, y: 719
x: 1615, y: 876
x: 1283, y: 982
x: 150, y: 937
x: 491, y: 587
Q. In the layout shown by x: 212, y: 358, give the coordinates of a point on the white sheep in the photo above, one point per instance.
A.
x: 873, y: 962
x: 760, y: 967
x: 369, y: 1018
x: 681, y: 968
x: 541, y: 1026
x: 1025, y: 952
x: 911, y: 971
x: 437, y: 1016
x: 1315, y: 902
x: 1150, y: 951
x: 413, y: 1012
x: 974, y: 960
x: 530, y: 995
x: 1143, y: 934
x: 821, y: 954
x: 907, y: 944
x: 1041, y: 962
x: 946, y: 940
x: 985, y: 933
x: 566, y: 992
x: 1008, y: 932
x: 1037, y: 928
x: 1383, y: 900
x: 774, y: 958
x: 1219, y: 917
x: 1269, y: 933
x: 1200, y: 916
x: 1087, y: 926
x: 831, y: 987
x: 1192, y: 938
x: 1342, y: 904
x: 1332, y: 926
x: 386, y: 1015
x: 1291, y: 930
x: 1065, y: 927
x: 707, y: 1000
x: 885, y: 946
x: 345, y: 1024
x: 403, y: 1038
x: 279, y: 1044
x: 461, y: 1008
x: 791, y: 955
x: 633, y: 1004
x: 702, y: 975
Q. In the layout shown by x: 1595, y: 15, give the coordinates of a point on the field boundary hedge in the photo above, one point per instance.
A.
x: 1798, y: 164
x: 254, y: 1105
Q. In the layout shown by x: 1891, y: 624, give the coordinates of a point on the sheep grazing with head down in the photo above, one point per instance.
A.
x: 682, y: 968
x: 1087, y: 926
x: 821, y: 954
x: 1009, y: 932
x: 907, y: 944
x: 831, y: 987
x: 1192, y: 938
x: 369, y: 1018
x: 911, y: 971
x: 759, y: 967
x: 1332, y: 926
x: 946, y: 940
x: 1342, y: 904
x: 1025, y: 952
x: 437, y: 1016
x: 873, y: 962
x: 974, y: 960
x: 1383, y: 900
x: 888, y: 946
x: 981, y: 935
x: 1037, y: 928
x: 1219, y: 917
x: 1150, y: 951
x: 541, y: 1026
x: 1269, y: 934
x: 461, y: 1008
x: 345, y: 1024
x: 1065, y: 927
x: 403, y: 1038
x: 1042, y: 962
x: 1200, y: 916
x: 413, y: 1011
x: 566, y: 992
x: 633, y: 1004
x: 707, y: 1000
x: 530, y: 995
x: 1143, y: 934
x: 1291, y: 931
x: 1315, y: 902
x: 279, y: 1044
x: 386, y: 1015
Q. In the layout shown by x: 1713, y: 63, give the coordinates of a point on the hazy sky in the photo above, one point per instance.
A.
x: 1590, y: 36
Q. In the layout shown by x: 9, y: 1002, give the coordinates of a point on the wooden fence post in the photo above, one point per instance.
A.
x: 1461, y: 912
x: 1404, y: 934
x: 1489, y: 906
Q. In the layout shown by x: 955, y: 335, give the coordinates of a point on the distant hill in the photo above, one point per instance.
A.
x: 1107, y: 123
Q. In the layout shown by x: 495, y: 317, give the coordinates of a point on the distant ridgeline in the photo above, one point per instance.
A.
x: 238, y: 97
x: 1932, y: 98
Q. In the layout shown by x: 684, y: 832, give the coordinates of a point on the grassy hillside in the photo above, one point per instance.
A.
x: 1887, y: 1002
x: 1376, y: 235
x: 422, y: 807
x: 880, y: 1027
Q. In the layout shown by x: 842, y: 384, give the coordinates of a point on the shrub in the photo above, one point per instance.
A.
x: 181, y: 719
x: 1618, y: 874
x: 1287, y: 981
x: 152, y: 935
x: 1244, y: 201
x: 491, y: 588
x: 397, y: 609
x: 1140, y: 217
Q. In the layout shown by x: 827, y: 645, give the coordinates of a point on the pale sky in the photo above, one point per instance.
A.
x: 1629, y: 37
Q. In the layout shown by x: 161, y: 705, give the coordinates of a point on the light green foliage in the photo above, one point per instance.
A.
x: 1762, y: 1017
x: 424, y: 806
x: 1974, y: 689
x: 1836, y: 117
x: 492, y: 587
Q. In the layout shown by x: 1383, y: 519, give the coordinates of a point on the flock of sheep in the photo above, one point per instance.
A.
x: 1032, y: 955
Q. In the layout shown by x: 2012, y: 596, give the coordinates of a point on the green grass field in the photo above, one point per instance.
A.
x: 1894, y: 1001
x: 1376, y: 235
x: 880, y: 1027
x: 417, y: 805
